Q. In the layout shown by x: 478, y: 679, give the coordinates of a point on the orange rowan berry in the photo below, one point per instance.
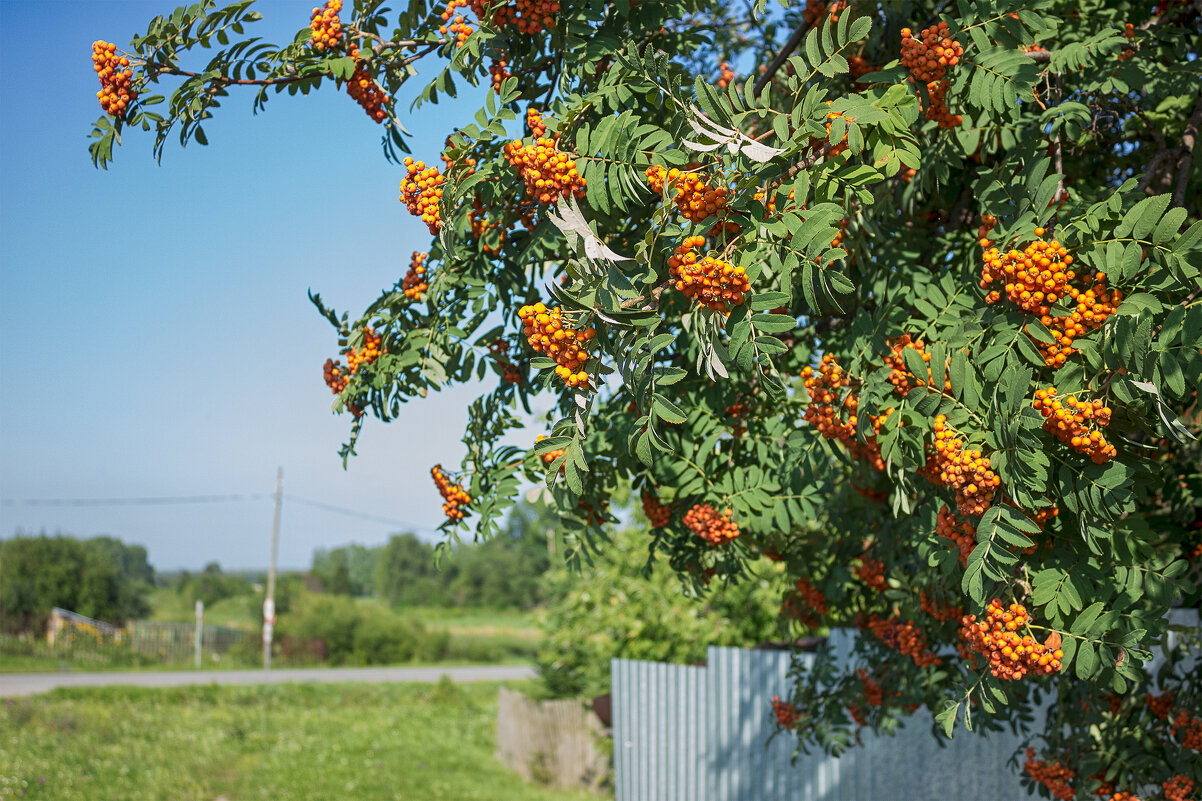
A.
x: 534, y: 121
x: 414, y: 282
x: 421, y: 192
x: 534, y: 16
x: 872, y: 572
x: 547, y: 333
x: 928, y: 57
x: 658, y: 514
x: 902, y: 636
x: 1161, y: 704
x: 1054, y: 776
x: 692, y: 193
x: 828, y: 406
x: 807, y: 605
x: 550, y: 456
x: 509, y: 371
x: 961, y: 533
x: 815, y: 10
x: 335, y: 378
x: 548, y: 173
x: 940, y: 611
x: 367, y: 93
x: 965, y: 471
x: 988, y: 222
x: 1190, y: 728
x: 497, y: 73
x: 116, y: 81
x: 1178, y: 788
x: 1032, y: 279
x: 901, y: 378
x: 370, y: 351
x: 786, y: 714
x: 453, y: 495
x: 860, y: 67
x: 710, y: 282
x: 725, y: 75
x: 1008, y: 654
x: 1069, y: 420
x: 707, y: 523
x: 325, y: 27
x: 458, y: 26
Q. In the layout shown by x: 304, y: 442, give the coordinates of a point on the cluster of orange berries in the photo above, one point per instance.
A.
x: 963, y: 470
x: 414, y: 282
x: 367, y: 93
x: 725, y: 75
x: 901, y: 378
x: 873, y: 694
x: 860, y: 66
x: 458, y: 27
x: 1191, y: 728
x: 710, y: 282
x: 326, y: 27
x: 707, y: 523
x: 927, y: 57
x: 547, y: 333
x: 421, y: 192
x: 1161, y: 704
x: 903, y: 636
x: 988, y: 223
x: 659, y: 514
x: 872, y: 573
x: 961, y: 532
x: 534, y: 121
x: 1178, y: 788
x: 497, y: 73
x: 370, y: 351
x: 1121, y: 796
x: 940, y: 611
x: 547, y: 173
x: 813, y: 604
x: 694, y: 197
x: 550, y: 456
x: 1094, y: 306
x: 824, y: 411
x: 815, y: 10
x: 1033, y: 279
x: 770, y: 205
x: 116, y: 81
x: 1129, y: 32
x: 1052, y: 775
x: 334, y: 377
x: 454, y: 496
x: 1068, y: 420
x: 786, y: 714
x: 509, y: 371
x: 1010, y: 656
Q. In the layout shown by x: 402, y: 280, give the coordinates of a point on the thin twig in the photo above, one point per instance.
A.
x: 652, y: 295
x: 781, y: 57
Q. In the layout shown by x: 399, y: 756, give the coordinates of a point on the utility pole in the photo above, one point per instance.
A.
x: 198, y: 637
x: 269, y: 601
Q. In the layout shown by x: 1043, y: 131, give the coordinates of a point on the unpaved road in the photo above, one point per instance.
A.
x: 14, y: 684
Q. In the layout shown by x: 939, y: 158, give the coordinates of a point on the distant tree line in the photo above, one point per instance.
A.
x: 503, y: 573
x: 102, y: 578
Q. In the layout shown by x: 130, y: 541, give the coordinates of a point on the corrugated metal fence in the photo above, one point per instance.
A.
x: 698, y: 734
x: 684, y: 733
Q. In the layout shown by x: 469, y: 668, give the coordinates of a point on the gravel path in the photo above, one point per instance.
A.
x: 14, y: 684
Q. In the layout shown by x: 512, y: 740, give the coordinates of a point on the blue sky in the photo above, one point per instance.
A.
x: 155, y: 335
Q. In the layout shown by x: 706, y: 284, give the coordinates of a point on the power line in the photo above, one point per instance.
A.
x: 353, y: 513
x: 156, y: 501
x: 190, y: 499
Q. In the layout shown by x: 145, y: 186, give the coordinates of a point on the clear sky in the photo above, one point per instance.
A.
x: 155, y: 335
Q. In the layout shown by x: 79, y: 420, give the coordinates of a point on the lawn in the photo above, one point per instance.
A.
x: 397, y: 742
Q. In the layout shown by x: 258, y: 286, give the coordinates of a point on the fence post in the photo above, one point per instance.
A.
x: 200, y: 613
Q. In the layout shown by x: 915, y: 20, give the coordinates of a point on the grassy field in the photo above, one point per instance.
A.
x: 274, y: 743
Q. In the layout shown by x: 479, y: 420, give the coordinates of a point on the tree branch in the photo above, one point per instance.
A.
x: 654, y: 294
x: 781, y: 57
x: 222, y: 81
x: 1188, y: 139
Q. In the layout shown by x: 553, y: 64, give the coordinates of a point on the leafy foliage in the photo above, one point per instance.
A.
x: 872, y: 396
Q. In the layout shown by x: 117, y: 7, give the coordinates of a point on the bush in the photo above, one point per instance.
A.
x: 337, y: 630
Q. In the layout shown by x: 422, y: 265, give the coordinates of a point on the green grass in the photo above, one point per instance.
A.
x: 283, y: 742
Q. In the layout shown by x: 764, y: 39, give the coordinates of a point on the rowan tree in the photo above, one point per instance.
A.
x: 904, y: 295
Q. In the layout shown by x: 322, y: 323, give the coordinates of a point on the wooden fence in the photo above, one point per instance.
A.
x: 551, y: 742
